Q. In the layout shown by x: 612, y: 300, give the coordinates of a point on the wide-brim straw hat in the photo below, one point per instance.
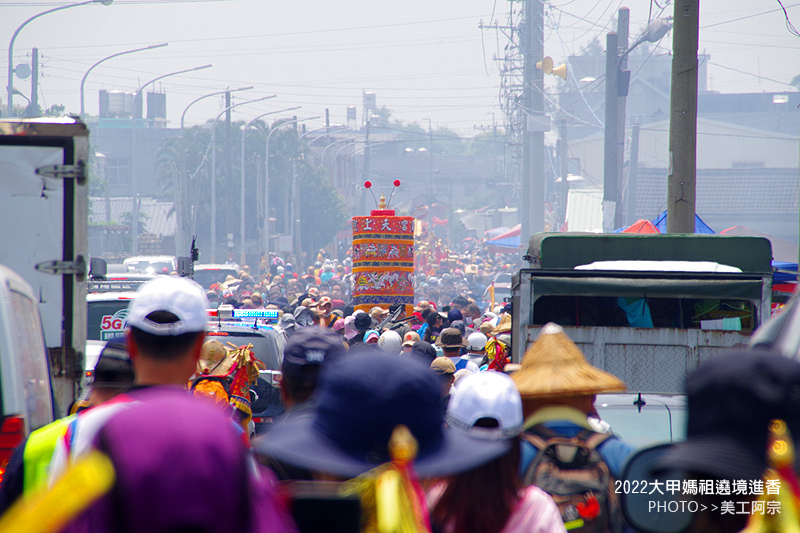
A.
x: 555, y: 366
x: 504, y: 326
x: 214, y: 359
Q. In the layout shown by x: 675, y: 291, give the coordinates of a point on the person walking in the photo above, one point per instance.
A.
x: 558, y: 388
x: 451, y: 343
x: 490, y: 498
x: 176, y: 456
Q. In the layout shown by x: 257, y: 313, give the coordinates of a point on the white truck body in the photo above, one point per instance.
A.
x: 44, y: 219
x: 587, y: 301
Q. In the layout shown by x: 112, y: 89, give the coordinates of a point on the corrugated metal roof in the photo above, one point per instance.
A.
x: 731, y: 191
x: 585, y: 210
x: 160, y: 219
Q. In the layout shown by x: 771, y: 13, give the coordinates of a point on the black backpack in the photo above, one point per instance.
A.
x: 574, y: 474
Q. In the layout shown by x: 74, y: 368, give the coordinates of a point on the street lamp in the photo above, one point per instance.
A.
x: 112, y: 56
x: 266, y: 175
x: 214, y: 172
x: 134, y: 192
x: 10, y: 105
x: 617, y: 81
x: 181, y: 205
x: 241, y: 210
x: 295, y: 200
x: 322, y: 156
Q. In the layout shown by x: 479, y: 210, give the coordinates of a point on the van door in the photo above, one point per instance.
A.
x: 44, y: 194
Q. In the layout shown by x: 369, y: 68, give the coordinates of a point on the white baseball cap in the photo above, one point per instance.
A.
x: 476, y: 342
x: 390, y: 342
x: 486, y: 395
x: 180, y: 296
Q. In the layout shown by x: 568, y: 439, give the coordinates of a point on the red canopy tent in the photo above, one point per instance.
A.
x: 641, y: 226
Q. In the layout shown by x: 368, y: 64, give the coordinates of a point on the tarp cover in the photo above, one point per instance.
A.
x: 506, y: 242
x: 660, y: 222
x: 748, y: 289
x: 640, y: 226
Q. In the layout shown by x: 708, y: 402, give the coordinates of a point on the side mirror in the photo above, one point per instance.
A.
x: 98, y: 268
x: 645, y: 508
x: 185, y: 267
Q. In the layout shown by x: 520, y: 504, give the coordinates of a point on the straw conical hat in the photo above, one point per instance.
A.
x: 555, y: 366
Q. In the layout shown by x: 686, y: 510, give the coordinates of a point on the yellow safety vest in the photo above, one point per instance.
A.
x: 39, y: 452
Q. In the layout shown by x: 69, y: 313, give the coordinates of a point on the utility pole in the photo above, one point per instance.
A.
x: 430, y: 161
x: 34, y: 105
x: 535, y: 124
x: 623, y: 79
x: 362, y: 207
x: 563, y: 157
x: 633, y: 175
x: 681, y: 183
x: 230, y: 191
x: 610, y: 169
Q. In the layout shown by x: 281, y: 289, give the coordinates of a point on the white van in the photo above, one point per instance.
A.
x: 151, y: 264
x: 25, y: 389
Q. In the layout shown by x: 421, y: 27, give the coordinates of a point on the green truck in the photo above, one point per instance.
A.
x: 648, y: 308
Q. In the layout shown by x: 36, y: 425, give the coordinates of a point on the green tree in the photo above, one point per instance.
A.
x: 56, y: 110
x: 322, y: 210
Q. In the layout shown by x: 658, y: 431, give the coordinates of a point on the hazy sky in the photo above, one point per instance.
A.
x: 424, y: 59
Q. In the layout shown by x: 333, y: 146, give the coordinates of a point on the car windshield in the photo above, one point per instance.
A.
x: 656, y: 423
x: 265, y: 347
x: 206, y: 278
x: 151, y: 267
x: 502, y: 278
x: 106, y: 319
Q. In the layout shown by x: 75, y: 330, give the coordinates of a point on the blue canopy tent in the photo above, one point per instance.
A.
x: 508, y: 242
x: 660, y: 222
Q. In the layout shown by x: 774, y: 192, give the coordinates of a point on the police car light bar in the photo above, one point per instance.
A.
x: 227, y: 311
x: 255, y: 313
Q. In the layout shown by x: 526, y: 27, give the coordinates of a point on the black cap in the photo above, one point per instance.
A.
x: 113, y: 369
x: 460, y: 300
x: 395, y: 307
x: 362, y: 322
x: 425, y: 350
x: 731, y: 400
x: 310, y: 346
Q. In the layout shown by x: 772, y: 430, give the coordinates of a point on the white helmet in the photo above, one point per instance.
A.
x: 483, y: 395
x: 476, y: 342
x: 390, y: 342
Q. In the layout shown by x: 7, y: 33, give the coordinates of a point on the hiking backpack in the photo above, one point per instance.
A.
x: 574, y: 474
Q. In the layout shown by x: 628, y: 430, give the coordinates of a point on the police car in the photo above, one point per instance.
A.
x: 238, y: 327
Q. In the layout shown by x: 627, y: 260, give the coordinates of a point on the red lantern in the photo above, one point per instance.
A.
x: 367, y: 184
x: 396, y: 183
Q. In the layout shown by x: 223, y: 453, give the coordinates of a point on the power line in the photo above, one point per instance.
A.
x: 289, y: 34
x: 789, y: 25
x: 749, y: 74
x: 747, y: 17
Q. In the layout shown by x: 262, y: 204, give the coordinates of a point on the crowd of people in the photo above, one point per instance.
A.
x: 277, y: 283
x: 413, y: 423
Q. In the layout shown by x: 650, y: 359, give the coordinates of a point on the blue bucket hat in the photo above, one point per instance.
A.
x: 731, y: 400
x: 362, y: 398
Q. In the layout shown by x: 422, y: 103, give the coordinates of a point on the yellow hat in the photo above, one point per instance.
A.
x: 555, y: 366
x: 214, y: 359
x: 504, y: 326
